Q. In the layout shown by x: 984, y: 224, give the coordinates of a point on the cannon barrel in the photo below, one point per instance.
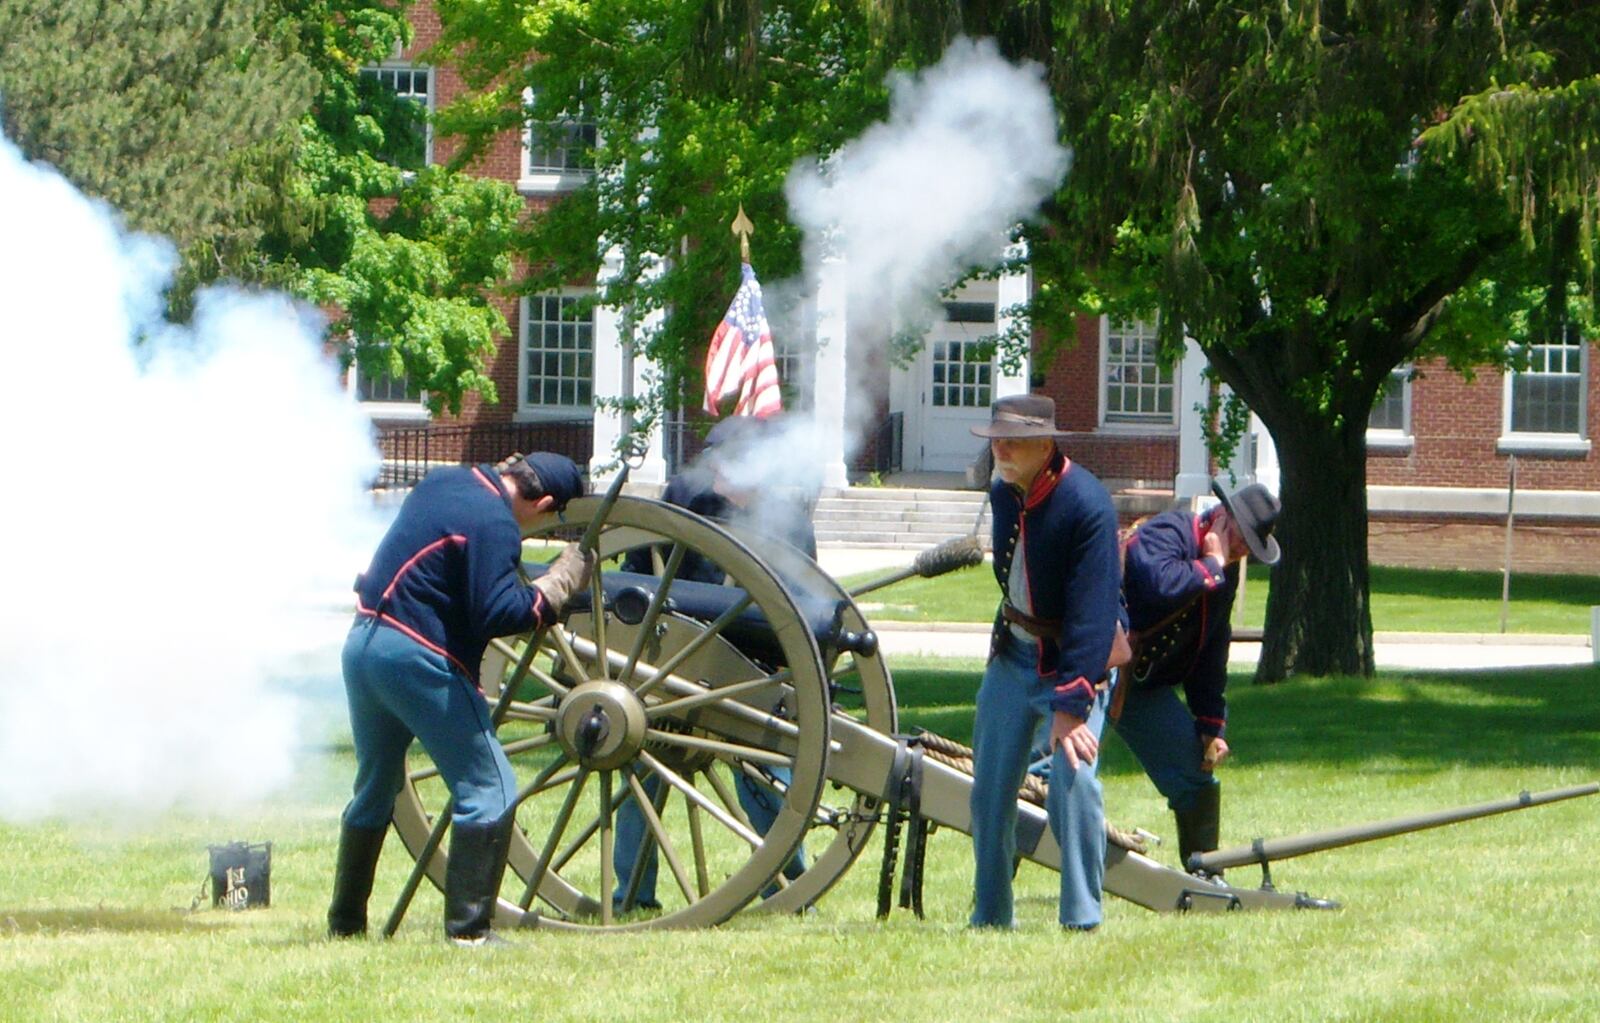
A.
x: 957, y: 552
x: 628, y: 594
x: 1265, y: 851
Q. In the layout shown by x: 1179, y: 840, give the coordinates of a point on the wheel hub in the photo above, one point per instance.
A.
x: 601, y: 724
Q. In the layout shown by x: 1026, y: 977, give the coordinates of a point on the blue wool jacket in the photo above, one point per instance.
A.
x: 1068, y: 530
x: 1165, y: 573
x: 446, y: 572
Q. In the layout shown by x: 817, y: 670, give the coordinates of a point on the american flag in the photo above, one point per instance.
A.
x: 741, y: 359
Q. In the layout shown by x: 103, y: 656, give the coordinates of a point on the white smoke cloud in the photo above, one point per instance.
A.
x: 176, y: 510
x: 969, y: 150
x: 912, y: 205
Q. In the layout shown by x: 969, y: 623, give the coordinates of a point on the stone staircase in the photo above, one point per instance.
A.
x: 914, y: 518
x: 896, y: 517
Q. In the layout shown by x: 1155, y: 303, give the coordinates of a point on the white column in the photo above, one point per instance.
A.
x: 1014, y: 290
x: 643, y: 377
x: 619, y: 373
x: 829, y: 404
x: 1194, y: 475
x: 610, y: 373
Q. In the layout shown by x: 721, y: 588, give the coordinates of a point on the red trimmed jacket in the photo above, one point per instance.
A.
x: 1068, y: 529
x: 1166, y: 573
x: 446, y: 572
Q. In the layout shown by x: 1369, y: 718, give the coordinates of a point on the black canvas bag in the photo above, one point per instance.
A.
x: 241, y: 875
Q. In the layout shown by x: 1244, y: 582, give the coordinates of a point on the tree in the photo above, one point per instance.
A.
x: 1254, y: 172
x: 1315, y: 193
x: 180, y: 113
x: 700, y: 108
x: 248, y: 134
x: 407, y: 257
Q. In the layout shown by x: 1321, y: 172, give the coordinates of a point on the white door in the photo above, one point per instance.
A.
x: 957, y: 387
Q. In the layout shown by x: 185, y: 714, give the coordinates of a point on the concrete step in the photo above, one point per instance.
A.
x: 824, y: 513
x: 904, y: 494
x: 887, y: 539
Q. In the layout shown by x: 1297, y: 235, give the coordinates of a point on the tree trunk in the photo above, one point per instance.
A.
x: 1319, y: 620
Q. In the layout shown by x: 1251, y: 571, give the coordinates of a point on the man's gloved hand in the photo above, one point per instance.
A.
x: 1213, y: 752
x: 568, y: 574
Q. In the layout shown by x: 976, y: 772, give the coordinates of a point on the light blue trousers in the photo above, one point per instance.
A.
x: 1159, y: 729
x: 1011, y: 703
x: 759, y: 803
x: 399, y: 689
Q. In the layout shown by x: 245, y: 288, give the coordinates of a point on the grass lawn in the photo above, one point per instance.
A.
x: 1403, y: 600
x: 1490, y: 920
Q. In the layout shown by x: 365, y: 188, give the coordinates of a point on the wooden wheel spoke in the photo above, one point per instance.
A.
x: 582, y: 838
x: 652, y: 614
x: 692, y: 647
x: 608, y: 879
x: 542, y: 711
x: 652, y: 818
x: 553, y: 838
x: 697, y: 839
x: 563, y: 641
x: 597, y: 620
x: 729, y: 800
x: 511, y: 749
x: 846, y: 666
x: 727, y: 692
x: 695, y: 796
x: 719, y: 746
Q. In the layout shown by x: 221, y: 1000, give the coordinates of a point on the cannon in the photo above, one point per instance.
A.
x: 662, y: 692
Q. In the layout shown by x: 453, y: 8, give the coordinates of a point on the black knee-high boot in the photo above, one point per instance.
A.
x: 472, y: 879
x: 352, y: 879
x: 1199, y: 825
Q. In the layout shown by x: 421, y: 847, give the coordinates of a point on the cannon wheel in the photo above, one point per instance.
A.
x: 592, y: 725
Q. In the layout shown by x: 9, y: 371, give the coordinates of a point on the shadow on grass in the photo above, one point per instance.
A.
x: 1547, y: 717
x: 78, y: 921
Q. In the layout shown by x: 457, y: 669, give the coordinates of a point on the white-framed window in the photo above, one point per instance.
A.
x: 1545, y: 406
x: 793, y: 319
x: 1136, y: 390
x: 387, y: 396
x: 409, y: 147
x: 1389, y: 425
x: 556, y: 364
x: 963, y: 374
x: 556, y: 155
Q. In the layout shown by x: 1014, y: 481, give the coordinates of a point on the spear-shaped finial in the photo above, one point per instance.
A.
x: 744, y: 229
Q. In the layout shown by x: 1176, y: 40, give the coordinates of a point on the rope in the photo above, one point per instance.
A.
x: 1034, y: 788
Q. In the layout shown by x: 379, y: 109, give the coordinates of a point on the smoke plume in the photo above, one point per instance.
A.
x: 911, y: 206
x: 913, y: 203
x: 179, y: 502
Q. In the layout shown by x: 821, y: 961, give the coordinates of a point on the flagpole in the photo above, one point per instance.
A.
x: 744, y: 229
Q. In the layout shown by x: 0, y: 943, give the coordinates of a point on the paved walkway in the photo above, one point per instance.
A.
x: 1393, y: 650
x: 1398, y: 650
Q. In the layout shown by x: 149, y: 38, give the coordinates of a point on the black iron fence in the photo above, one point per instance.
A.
x: 409, y: 452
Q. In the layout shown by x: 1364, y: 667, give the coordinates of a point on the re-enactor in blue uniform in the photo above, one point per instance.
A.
x: 443, y: 582
x: 1180, y: 575
x: 1056, y: 560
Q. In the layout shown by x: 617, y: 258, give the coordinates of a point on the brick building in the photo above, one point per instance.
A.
x: 1440, y: 448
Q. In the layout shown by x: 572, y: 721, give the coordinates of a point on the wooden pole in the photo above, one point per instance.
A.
x: 1505, y: 579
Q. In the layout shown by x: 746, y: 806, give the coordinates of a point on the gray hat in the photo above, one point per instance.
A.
x: 1256, y: 511
x: 1021, y: 415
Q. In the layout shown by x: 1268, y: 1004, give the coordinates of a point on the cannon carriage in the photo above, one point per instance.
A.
x: 686, y: 706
